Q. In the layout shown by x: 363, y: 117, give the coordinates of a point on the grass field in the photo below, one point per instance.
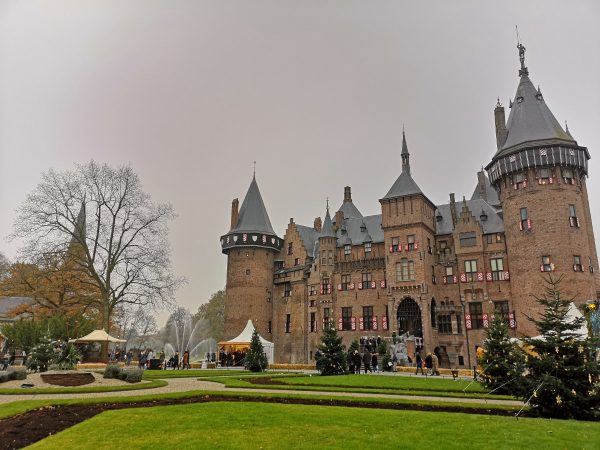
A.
x: 191, y: 373
x: 276, y: 426
x: 75, y: 390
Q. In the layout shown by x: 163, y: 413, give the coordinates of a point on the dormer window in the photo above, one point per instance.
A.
x: 519, y: 99
x: 367, y: 247
x: 347, y: 249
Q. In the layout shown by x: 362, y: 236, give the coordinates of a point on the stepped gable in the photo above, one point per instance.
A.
x: 491, y: 222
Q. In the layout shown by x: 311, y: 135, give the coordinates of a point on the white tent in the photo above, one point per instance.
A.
x: 572, y: 315
x: 97, y: 336
x: 244, y: 339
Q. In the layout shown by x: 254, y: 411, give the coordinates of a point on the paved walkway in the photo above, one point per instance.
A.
x: 192, y: 384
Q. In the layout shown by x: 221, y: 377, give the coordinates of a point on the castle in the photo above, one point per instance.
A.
x: 436, y: 272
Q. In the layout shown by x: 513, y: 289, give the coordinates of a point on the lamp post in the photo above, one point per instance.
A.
x: 462, y: 303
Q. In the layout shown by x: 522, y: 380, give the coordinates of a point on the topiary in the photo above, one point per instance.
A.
x: 133, y: 375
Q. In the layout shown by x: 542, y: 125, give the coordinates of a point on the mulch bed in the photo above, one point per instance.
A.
x: 32, y: 426
x: 264, y: 380
x: 68, y: 379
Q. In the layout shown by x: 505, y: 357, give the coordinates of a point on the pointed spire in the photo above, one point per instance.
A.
x: 327, y: 230
x: 405, y: 155
x: 253, y: 214
x: 567, y: 129
x: 79, y: 231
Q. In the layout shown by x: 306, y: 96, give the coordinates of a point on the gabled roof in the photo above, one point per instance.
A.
x: 354, y: 230
x: 350, y: 210
x: 253, y: 214
x: 310, y: 239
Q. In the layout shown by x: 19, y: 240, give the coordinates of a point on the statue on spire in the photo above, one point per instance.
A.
x: 523, y: 71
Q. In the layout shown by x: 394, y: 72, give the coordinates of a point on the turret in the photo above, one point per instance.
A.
x: 539, y: 172
x: 250, y: 246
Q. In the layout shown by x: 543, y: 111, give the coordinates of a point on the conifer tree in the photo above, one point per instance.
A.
x: 333, y: 356
x: 41, y: 355
x: 562, y: 377
x: 256, y: 360
x: 501, y: 361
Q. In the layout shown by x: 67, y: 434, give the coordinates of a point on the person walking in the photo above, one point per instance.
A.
x: 176, y: 361
x: 367, y: 361
x: 428, y: 362
x: 419, y: 361
x: 357, y: 361
x: 186, y: 359
x: 374, y: 362
x: 434, y: 364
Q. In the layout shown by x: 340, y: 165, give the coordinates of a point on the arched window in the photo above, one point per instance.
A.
x: 409, y: 318
x: 433, y: 313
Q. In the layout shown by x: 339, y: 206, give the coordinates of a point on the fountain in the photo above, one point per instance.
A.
x: 181, y: 336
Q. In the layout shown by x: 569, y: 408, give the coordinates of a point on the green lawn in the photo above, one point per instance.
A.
x: 276, y: 426
x: 191, y: 373
x: 74, y: 390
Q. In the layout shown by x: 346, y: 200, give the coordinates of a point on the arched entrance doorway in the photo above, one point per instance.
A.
x: 409, y: 318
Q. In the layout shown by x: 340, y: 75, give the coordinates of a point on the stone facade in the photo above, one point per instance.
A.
x: 436, y: 272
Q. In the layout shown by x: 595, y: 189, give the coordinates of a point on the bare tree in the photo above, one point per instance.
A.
x: 105, y: 225
x: 135, y: 323
x: 4, y: 266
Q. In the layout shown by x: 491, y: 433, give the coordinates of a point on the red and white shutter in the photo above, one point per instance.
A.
x: 323, y: 323
x: 353, y: 323
x: 512, y: 323
x: 486, y: 321
x: 488, y: 276
x: 339, y: 286
x: 506, y: 275
x: 416, y: 246
x: 468, y: 323
x: 406, y: 247
x: 352, y: 286
x: 463, y: 277
x: 340, y: 324
x: 384, y: 323
x: 479, y: 276
x: 375, y: 323
x: 361, y: 323
x: 373, y: 285
x: 445, y: 279
x: 382, y: 284
x: 529, y: 224
x: 391, y: 249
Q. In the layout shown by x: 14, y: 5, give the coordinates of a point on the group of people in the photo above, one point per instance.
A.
x: 148, y: 360
x: 367, y: 360
x: 177, y: 362
x: 231, y: 359
x: 430, y: 364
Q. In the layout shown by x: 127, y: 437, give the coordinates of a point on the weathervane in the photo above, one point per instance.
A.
x: 254, y: 170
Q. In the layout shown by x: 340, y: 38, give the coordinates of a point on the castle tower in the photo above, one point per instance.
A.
x: 407, y: 219
x: 539, y: 172
x: 250, y: 246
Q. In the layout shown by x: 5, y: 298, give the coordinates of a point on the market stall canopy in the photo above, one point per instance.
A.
x: 573, y: 314
x: 97, y: 336
x: 244, y: 339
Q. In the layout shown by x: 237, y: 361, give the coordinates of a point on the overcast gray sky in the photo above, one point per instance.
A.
x: 191, y: 92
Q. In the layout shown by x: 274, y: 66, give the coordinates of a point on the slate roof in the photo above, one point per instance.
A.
x: 492, y: 195
x: 531, y: 121
x: 253, y: 215
x: 493, y: 224
x: 404, y: 184
x: 327, y: 229
x: 310, y: 239
x: 7, y: 304
x: 373, y: 232
x: 350, y: 210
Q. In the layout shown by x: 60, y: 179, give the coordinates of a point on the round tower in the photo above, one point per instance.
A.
x: 250, y: 246
x: 539, y: 172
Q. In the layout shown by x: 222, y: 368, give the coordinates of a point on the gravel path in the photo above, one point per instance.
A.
x: 191, y: 384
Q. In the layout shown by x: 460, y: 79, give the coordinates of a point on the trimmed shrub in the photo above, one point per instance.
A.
x: 4, y: 377
x: 133, y: 375
x: 17, y: 374
x: 112, y: 371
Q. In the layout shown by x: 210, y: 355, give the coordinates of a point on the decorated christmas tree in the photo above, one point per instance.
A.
x: 562, y: 376
x: 256, y: 360
x: 42, y: 355
x: 501, y: 361
x: 333, y: 356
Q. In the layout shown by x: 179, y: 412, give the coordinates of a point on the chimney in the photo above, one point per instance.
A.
x: 501, y: 131
x: 234, y: 213
x: 453, y: 208
x: 318, y: 224
x: 347, y: 194
x: 339, y: 220
x: 481, y: 185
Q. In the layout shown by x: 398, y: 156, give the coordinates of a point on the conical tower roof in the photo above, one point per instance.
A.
x: 327, y: 230
x: 79, y: 230
x: 530, y: 120
x: 253, y: 215
x: 404, y: 184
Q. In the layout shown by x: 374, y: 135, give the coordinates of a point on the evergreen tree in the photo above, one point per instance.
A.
x: 501, y: 360
x: 333, y: 356
x: 41, y: 355
x: 256, y: 360
x: 562, y: 377
x: 386, y: 358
